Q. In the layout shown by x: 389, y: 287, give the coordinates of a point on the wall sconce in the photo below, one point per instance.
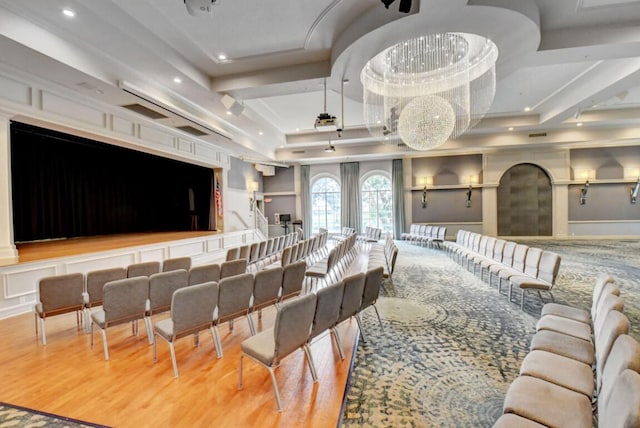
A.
x: 634, y: 191
x: 583, y: 193
x: 252, y: 187
x: 426, y: 181
x: 472, y: 179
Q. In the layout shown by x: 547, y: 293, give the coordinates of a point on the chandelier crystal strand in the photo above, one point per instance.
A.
x: 429, y: 89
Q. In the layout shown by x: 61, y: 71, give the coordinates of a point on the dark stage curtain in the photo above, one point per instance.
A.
x: 65, y: 186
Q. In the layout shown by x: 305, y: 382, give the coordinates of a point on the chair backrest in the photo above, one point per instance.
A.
x: 549, y: 267
x: 204, y: 273
x: 442, y: 233
x: 475, y: 244
x: 293, y: 325
x: 329, y: 301
x: 286, y: 256
x: 519, y: 257
x: 372, y: 283
x: 623, y: 407
x: 532, y: 261
x: 292, y: 279
x: 176, y: 263
x: 625, y: 354
x: 162, y: 285
x: 608, y: 302
x: 232, y: 254
x: 427, y: 230
x: 482, y: 247
x: 61, y: 293
x: 616, y: 323
x: 507, y: 253
x: 98, y: 278
x: 352, y: 296
x: 143, y: 269
x: 270, y: 243
x: 459, y: 236
x: 244, y: 252
x: 192, y: 308
x: 602, y: 282
x: 394, y: 257
x: 254, y: 252
x: 234, y: 296
x: 234, y: 267
x: 491, y: 245
x: 294, y: 253
x: 498, y: 250
x: 125, y: 300
x: 262, y: 250
x: 266, y: 286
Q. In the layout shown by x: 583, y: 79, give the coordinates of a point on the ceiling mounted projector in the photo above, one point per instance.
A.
x: 199, y: 7
x: 325, y: 122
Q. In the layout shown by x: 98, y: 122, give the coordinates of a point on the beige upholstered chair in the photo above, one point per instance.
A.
x: 94, y: 285
x: 59, y: 295
x: 162, y: 285
x: 290, y: 332
x: 372, y: 284
x: 244, y: 252
x: 544, y: 279
x: 292, y: 279
x: 232, y: 254
x: 266, y: 289
x: 622, y: 407
x: 176, y: 263
x: 329, y: 301
x: 234, y: 301
x: 204, y: 273
x: 143, y: 269
x: 232, y: 268
x: 124, y: 300
x: 191, y: 312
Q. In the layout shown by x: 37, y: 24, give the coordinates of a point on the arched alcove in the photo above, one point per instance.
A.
x: 525, y: 202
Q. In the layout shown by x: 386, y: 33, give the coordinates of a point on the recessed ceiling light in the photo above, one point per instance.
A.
x: 222, y: 57
x: 579, y: 124
x: 297, y: 129
x: 229, y: 112
x: 527, y: 108
x: 260, y: 133
x: 69, y: 13
x: 177, y: 80
x: 511, y: 128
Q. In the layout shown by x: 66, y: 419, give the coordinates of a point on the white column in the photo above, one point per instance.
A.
x: 407, y: 173
x: 490, y: 210
x: 560, y: 210
x: 8, y: 252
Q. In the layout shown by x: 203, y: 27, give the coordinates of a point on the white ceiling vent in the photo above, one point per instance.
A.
x: 266, y: 170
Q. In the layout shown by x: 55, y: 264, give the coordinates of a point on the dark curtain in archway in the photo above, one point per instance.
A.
x: 525, y: 202
x: 65, y: 186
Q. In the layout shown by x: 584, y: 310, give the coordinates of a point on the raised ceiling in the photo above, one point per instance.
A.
x: 564, y: 61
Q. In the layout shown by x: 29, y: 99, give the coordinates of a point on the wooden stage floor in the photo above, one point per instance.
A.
x: 40, y: 250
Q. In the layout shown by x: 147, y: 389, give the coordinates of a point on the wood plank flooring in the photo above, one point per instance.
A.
x: 68, y: 378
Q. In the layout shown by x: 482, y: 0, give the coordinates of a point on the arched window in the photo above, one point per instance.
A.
x: 325, y: 205
x: 377, y: 203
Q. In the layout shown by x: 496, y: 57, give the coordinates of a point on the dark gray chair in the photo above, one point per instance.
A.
x: 59, y: 295
x: 329, y: 301
x: 162, y: 285
x: 292, y: 279
x: 234, y: 301
x: 191, y: 312
x: 290, y: 332
x: 266, y: 289
x: 123, y: 301
x: 94, y: 285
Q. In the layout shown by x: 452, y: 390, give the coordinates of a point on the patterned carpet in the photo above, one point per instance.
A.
x: 16, y: 416
x: 452, y: 344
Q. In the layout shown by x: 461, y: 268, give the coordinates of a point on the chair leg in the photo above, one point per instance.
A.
x: 213, y: 339
x: 155, y: 350
x: 173, y: 359
x: 217, y: 341
x: 378, y: 315
x: 105, y: 346
x: 147, y: 326
x: 336, y: 336
x: 357, y: 317
x: 275, y: 387
x: 87, y: 322
x: 252, y: 328
x: 522, y: 299
x: 44, y: 331
x: 312, y: 366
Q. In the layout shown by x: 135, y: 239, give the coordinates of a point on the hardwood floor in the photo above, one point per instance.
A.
x: 67, y: 377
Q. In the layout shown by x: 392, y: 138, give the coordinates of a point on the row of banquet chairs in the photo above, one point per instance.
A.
x: 335, y: 264
x: 581, y: 370
x: 308, y: 250
x: 77, y: 292
x: 262, y: 251
x: 425, y: 234
x: 384, y: 255
x: 344, y: 234
x: 527, y: 268
x: 370, y: 235
x: 300, y: 321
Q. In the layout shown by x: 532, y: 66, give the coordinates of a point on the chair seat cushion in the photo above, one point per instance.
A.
x: 507, y: 273
x: 562, y: 344
x: 548, y: 404
x: 261, y: 347
x: 98, y: 317
x: 525, y: 281
x: 164, y: 328
x: 565, y: 325
x: 560, y: 370
x: 509, y: 420
x: 565, y: 311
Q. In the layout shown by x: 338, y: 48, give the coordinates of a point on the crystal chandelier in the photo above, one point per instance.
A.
x: 429, y: 89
